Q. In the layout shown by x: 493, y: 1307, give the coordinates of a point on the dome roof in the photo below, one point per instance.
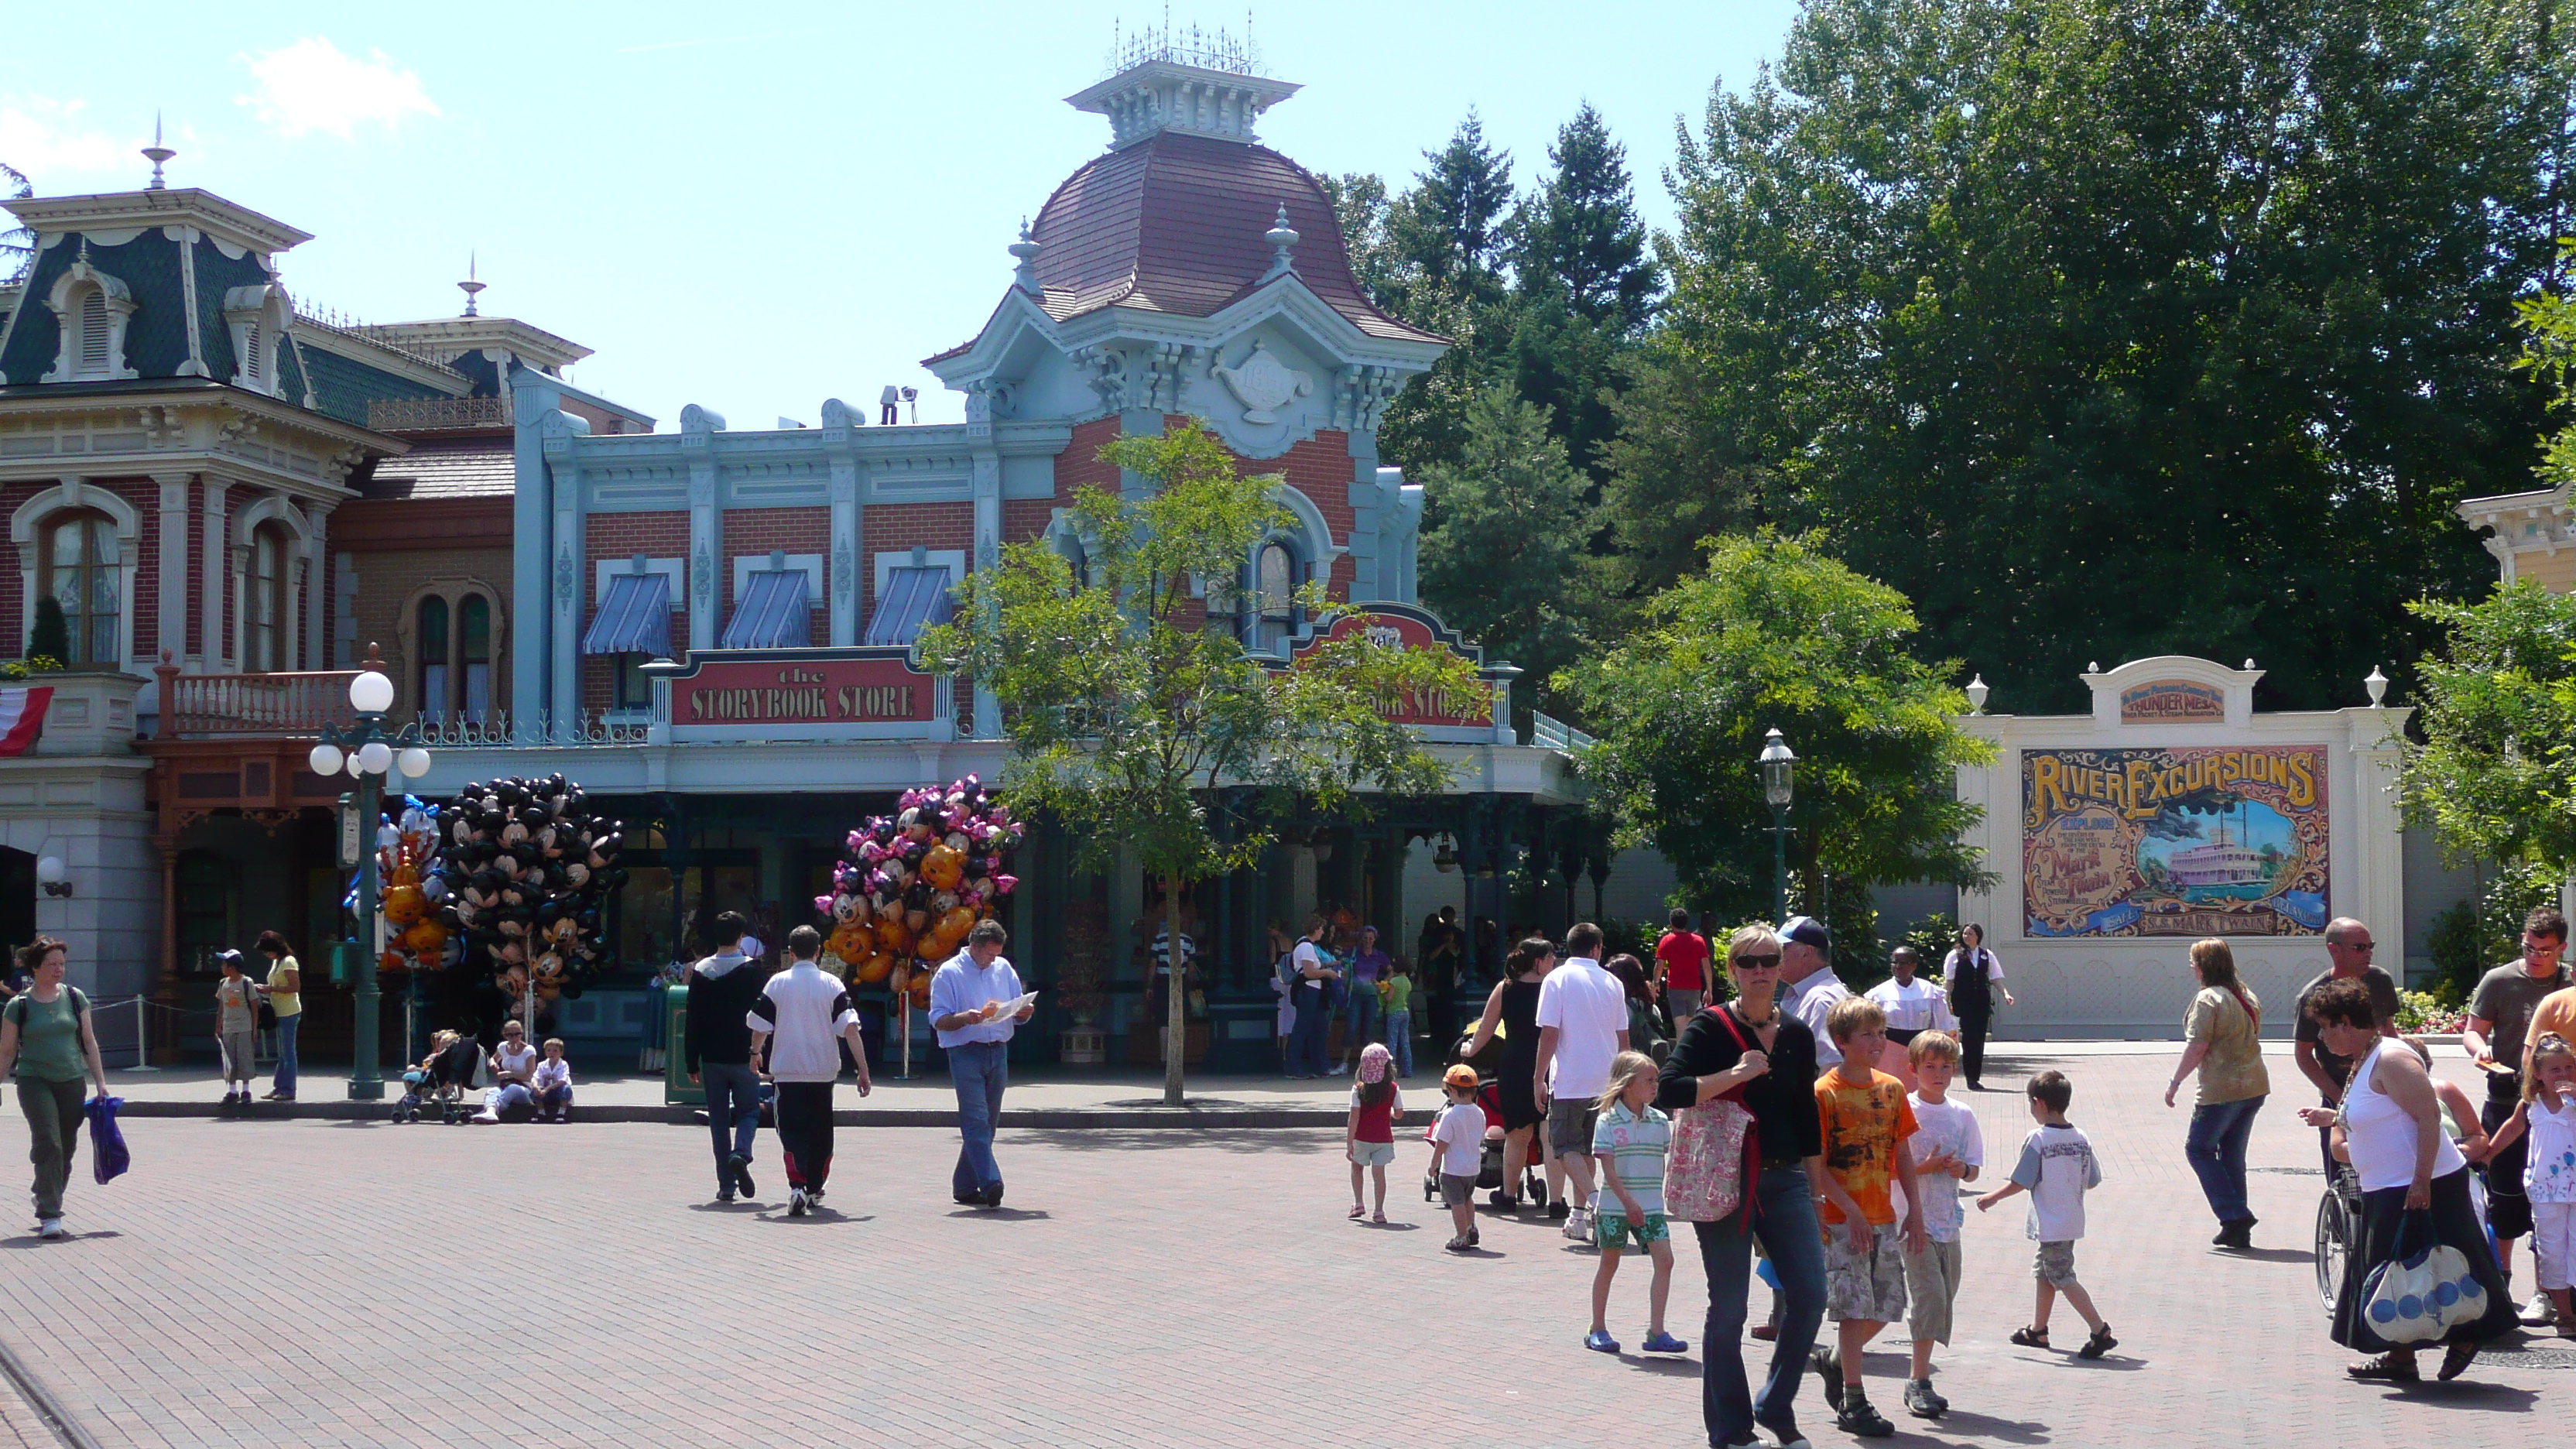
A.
x: 1175, y: 223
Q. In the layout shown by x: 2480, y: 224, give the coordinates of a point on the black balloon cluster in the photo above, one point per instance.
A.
x: 526, y: 867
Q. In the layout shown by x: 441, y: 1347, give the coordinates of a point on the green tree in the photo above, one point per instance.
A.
x: 2495, y: 772
x: 1132, y: 721
x: 17, y: 243
x: 50, y: 635
x: 2105, y: 328
x: 1584, y: 286
x: 1771, y: 633
x: 1503, y: 560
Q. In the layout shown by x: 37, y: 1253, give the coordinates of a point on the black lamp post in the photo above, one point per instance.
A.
x: 369, y: 753
x: 1780, y: 790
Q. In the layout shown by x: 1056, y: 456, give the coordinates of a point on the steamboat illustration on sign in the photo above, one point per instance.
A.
x: 2200, y: 841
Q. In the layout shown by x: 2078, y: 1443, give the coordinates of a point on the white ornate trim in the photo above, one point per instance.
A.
x: 65, y: 300
x: 257, y: 311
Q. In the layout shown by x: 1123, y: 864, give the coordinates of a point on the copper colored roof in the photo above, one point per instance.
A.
x: 1175, y: 223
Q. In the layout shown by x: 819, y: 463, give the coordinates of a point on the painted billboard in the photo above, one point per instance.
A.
x: 2222, y: 840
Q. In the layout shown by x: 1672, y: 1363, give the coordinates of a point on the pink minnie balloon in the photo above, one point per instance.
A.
x: 1003, y: 884
x: 822, y: 905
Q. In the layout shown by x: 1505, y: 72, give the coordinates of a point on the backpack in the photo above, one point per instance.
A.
x: 80, y: 1006
x: 1287, y: 972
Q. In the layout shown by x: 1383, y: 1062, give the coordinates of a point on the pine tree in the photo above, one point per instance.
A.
x: 1503, y: 555
x: 1578, y: 237
x: 1452, y: 223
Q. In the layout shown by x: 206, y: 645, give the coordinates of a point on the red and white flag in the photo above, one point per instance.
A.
x: 22, y: 716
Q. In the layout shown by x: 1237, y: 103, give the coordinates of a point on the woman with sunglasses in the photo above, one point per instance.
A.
x: 514, y: 1074
x: 1751, y: 1044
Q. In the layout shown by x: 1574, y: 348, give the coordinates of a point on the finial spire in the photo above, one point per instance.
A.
x: 1283, y: 239
x: 470, y: 286
x: 1027, y: 248
x: 156, y: 153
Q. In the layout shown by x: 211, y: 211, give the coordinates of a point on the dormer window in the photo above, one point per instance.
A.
x: 90, y: 309
x: 257, y: 315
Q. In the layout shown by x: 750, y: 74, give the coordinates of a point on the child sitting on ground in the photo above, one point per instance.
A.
x: 1368, y: 1138
x: 1457, y: 1152
x: 554, y: 1084
x: 1866, y: 1124
x: 1628, y: 1145
x: 2057, y: 1168
x: 1951, y: 1150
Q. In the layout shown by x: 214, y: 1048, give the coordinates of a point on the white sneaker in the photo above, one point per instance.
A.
x: 487, y: 1115
x: 1578, y: 1225
x: 1340, y: 1069
x: 2539, y: 1312
x: 51, y: 1228
x: 798, y: 1204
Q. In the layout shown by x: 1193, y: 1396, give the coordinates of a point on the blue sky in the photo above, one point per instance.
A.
x: 756, y: 207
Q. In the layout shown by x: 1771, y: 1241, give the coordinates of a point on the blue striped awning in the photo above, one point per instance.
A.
x: 771, y: 614
x: 914, y: 599
x: 635, y: 617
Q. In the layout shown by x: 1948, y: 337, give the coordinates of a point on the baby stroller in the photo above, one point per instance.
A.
x: 1489, y: 1162
x: 444, y: 1082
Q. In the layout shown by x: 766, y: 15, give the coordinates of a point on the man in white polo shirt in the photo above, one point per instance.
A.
x: 1582, y: 1024
x: 966, y: 1000
x: 1807, y: 970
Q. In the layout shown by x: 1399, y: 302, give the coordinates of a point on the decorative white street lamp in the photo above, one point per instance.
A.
x: 370, y: 754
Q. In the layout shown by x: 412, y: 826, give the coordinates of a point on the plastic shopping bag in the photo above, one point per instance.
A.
x: 108, y: 1157
x: 2419, y: 1294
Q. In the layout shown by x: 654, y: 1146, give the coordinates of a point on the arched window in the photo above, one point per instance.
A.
x: 474, y: 655
x: 434, y: 676
x: 82, y: 573
x: 1273, y: 620
x: 271, y: 604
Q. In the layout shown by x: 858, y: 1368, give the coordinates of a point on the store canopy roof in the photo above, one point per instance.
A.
x: 635, y: 617
x: 771, y: 614
x: 914, y: 599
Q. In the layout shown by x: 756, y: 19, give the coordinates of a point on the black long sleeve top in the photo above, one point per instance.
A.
x: 717, y: 1005
x: 1782, y: 1100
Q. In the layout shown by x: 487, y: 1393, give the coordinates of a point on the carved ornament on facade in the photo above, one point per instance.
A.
x: 566, y: 575
x: 703, y: 585
x: 1263, y: 384
x: 1360, y: 395
x: 844, y: 570
x: 1107, y: 367
x: 1165, y: 364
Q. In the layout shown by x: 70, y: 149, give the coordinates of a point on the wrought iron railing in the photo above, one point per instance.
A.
x: 429, y: 414
x: 496, y: 729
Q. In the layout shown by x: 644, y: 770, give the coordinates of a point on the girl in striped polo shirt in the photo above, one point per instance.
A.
x: 1629, y: 1142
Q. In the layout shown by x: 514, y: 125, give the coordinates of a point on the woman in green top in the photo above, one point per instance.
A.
x: 2223, y: 1031
x: 46, y: 1042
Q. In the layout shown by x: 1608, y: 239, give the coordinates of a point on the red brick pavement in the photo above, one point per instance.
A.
x: 314, y: 1284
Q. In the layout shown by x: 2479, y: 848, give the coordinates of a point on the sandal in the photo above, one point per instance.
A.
x: 2388, y: 1368
x: 2031, y: 1337
x: 1379, y: 1216
x: 1459, y: 1245
x: 2455, y: 1360
x: 1358, y: 1212
x: 2100, y: 1343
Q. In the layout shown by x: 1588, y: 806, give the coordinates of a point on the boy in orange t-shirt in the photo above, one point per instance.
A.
x: 1866, y: 1123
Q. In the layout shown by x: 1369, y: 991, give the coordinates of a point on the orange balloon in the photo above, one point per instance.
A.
x: 425, y: 940
x: 921, y: 990
x: 874, y: 969
x: 894, y: 935
x: 955, y: 923
x: 404, y: 905
x: 852, y: 942
x: 943, y: 868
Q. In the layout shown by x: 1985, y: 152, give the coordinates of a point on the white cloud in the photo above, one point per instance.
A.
x: 46, y: 138
x: 312, y: 86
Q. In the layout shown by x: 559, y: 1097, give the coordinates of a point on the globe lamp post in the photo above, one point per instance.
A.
x: 1779, y: 790
x: 370, y: 754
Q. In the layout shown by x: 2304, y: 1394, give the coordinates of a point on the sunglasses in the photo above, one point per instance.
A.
x: 1767, y: 962
x: 514, y: 1035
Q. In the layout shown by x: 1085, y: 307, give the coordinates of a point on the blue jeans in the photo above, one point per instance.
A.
x: 1399, y: 1041
x: 1314, y: 1021
x: 1366, y: 1013
x: 2216, y: 1146
x: 979, y: 1070
x: 733, y: 1112
x: 286, y: 1026
x: 1785, y: 1221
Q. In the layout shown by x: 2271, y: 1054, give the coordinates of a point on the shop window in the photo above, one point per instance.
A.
x: 633, y: 690
x: 83, y: 573
x: 207, y: 905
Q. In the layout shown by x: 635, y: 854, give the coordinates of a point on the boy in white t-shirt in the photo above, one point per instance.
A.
x: 2057, y: 1167
x: 1457, y: 1152
x: 1948, y: 1150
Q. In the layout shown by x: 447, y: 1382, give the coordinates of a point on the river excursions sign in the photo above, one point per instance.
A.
x: 2175, y: 841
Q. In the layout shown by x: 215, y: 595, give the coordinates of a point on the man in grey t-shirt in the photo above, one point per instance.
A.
x: 2349, y: 947
x: 2495, y: 1035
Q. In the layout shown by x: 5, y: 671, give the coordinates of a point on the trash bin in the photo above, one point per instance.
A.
x: 677, y: 1089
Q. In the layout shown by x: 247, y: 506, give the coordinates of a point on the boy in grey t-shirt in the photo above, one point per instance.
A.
x: 2057, y: 1168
